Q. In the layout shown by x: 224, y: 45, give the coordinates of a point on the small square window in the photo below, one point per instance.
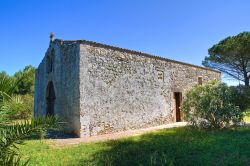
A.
x: 160, y: 75
x: 200, y: 80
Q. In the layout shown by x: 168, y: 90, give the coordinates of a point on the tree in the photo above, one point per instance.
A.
x: 231, y: 56
x: 26, y: 86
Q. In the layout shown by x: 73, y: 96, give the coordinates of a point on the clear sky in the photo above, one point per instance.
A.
x: 178, y: 29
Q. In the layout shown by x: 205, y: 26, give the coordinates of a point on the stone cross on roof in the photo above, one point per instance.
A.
x: 52, y: 35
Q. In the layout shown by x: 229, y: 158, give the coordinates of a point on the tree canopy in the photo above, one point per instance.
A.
x: 231, y: 56
x: 26, y: 86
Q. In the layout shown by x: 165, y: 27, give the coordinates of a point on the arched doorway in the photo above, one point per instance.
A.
x: 50, y: 99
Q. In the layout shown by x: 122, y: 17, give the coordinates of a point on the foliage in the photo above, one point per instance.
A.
x: 26, y: 86
x: 11, y: 107
x: 246, y: 116
x: 242, y: 97
x: 211, y: 106
x: 18, y: 107
x: 7, y: 88
x: 14, y: 106
x: 11, y: 136
x: 175, y: 146
x: 28, y: 101
x: 231, y: 56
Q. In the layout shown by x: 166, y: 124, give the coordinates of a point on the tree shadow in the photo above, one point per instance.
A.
x: 178, y: 146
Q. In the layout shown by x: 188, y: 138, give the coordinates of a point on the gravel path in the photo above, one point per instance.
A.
x: 113, y: 136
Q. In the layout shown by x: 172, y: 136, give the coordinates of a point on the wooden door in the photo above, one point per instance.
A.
x: 177, y: 97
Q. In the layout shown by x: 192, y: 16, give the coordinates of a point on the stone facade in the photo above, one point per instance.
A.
x: 101, y: 89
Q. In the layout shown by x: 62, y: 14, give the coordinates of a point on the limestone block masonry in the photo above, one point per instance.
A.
x: 97, y: 89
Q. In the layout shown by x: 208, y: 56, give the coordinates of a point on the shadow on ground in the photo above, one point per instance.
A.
x: 175, y: 146
x: 58, y: 134
x: 180, y: 146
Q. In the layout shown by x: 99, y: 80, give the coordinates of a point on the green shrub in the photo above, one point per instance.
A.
x: 211, y: 106
x: 18, y: 107
x: 28, y: 100
x: 242, y: 97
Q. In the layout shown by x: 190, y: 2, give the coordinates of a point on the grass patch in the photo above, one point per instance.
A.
x: 177, y: 146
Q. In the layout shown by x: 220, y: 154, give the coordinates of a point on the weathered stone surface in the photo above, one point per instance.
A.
x: 65, y: 78
x: 102, y: 89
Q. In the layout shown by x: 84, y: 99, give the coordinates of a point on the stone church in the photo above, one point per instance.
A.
x: 96, y: 88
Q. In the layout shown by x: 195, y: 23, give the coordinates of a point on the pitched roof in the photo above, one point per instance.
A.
x: 134, y: 52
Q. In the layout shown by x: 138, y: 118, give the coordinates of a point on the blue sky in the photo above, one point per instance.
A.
x: 178, y: 29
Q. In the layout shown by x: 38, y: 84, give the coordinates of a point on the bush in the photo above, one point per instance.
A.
x: 28, y: 100
x: 18, y: 107
x: 211, y: 106
x: 242, y: 97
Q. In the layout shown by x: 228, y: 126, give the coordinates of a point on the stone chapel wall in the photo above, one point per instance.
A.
x: 102, y: 89
x: 121, y: 91
x: 65, y: 78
